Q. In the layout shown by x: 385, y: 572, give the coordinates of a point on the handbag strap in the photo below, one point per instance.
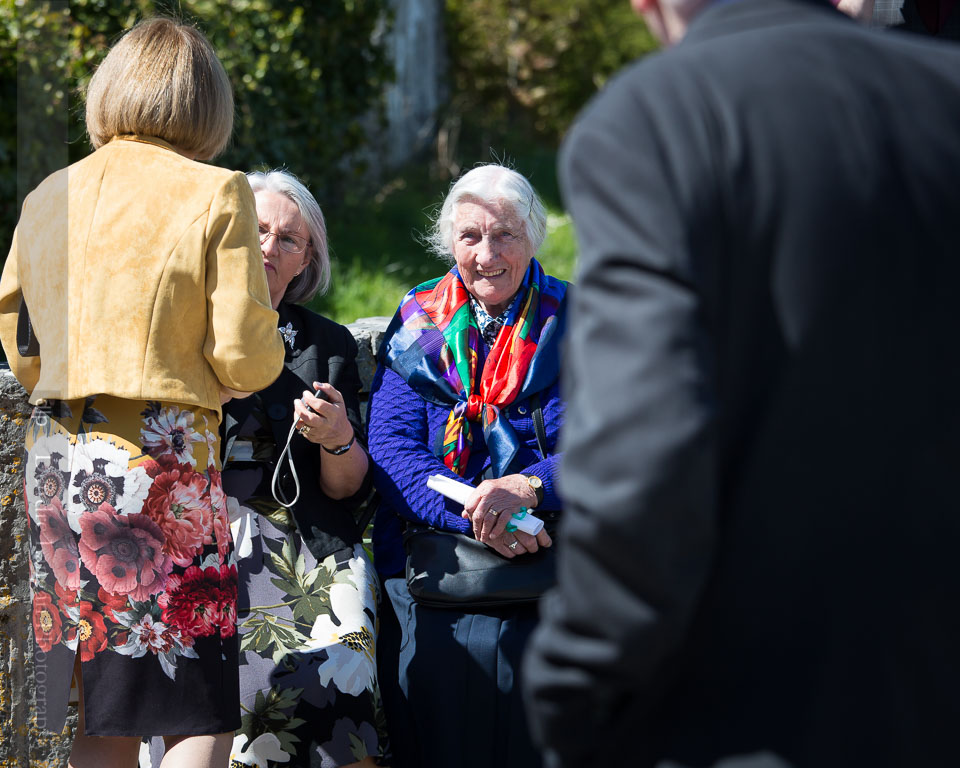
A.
x: 536, y: 412
x: 368, y: 510
x: 27, y: 344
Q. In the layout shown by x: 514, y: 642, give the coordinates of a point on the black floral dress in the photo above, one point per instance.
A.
x: 132, y: 567
x: 308, y: 685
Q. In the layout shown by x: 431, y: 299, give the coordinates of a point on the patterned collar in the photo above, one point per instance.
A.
x: 490, y: 326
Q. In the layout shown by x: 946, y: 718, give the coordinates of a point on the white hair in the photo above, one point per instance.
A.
x: 492, y: 184
x: 315, y: 277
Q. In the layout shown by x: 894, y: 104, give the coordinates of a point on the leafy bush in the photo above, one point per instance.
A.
x: 536, y: 61
x: 307, y: 80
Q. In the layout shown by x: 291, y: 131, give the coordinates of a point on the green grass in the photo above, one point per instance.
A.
x: 375, y: 244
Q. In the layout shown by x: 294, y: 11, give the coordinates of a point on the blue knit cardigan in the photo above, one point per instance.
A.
x: 402, y: 430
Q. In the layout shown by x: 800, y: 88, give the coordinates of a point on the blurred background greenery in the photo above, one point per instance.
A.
x: 310, y: 78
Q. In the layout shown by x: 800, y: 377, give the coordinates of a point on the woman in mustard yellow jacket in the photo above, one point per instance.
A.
x: 142, y: 273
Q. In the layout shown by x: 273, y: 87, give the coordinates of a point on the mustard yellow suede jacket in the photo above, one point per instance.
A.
x: 143, y: 277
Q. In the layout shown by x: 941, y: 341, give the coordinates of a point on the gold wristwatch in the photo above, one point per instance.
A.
x: 537, y: 485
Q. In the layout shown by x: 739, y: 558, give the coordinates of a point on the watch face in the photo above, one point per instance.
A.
x: 537, y: 485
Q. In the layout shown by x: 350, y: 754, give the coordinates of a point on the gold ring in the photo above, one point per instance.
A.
x: 304, y: 429
x: 494, y: 512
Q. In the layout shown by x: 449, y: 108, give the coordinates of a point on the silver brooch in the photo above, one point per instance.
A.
x: 289, y: 335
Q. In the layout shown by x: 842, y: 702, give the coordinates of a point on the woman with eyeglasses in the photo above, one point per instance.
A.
x: 306, y: 611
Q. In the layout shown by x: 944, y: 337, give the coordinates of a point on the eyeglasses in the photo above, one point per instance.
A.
x: 288, y: 243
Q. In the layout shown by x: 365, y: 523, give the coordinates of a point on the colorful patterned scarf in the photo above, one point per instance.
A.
x: 433, y: 343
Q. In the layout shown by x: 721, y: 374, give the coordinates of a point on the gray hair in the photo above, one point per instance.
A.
x: 490, y: 183
x: 315, y: 277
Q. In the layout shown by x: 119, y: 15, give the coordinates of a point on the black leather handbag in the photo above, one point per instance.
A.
x: 451, y: 570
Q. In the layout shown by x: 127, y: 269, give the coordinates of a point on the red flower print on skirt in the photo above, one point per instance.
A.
x: 113, y: 604
x: 59, y: 544
x: 124, y: 552
x: 221, y: 516
x: 65, y: 597
x: 179, y: 504
x: 192, y: 601
x: 46, y: 621
x: 87, y: 633
x: 228, y: 600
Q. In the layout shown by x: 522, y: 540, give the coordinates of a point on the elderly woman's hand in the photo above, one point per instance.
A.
x: 327, y: 425
x: 490, y: 508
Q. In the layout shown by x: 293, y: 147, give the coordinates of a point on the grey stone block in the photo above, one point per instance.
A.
x: 23, y: 743
x: 368, y: 331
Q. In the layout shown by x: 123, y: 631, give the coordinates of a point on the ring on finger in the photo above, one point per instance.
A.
x: 513, y: 544
x: 494, y: 512
x: 304, y: 429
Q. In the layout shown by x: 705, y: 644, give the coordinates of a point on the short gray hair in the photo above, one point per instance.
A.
x: 315, y: 277
x: 490, y: 183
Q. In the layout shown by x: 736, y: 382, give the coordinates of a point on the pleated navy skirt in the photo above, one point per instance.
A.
x: 451, y: 684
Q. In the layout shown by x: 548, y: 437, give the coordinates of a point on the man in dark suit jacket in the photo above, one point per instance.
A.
x: 758, y: 559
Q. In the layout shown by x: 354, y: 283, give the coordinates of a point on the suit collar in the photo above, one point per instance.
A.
x: 733, y: 16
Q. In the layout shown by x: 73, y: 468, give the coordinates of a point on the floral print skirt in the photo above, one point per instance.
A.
x: 132, y: 567
x: 308, y: 688
x: 308, y: 685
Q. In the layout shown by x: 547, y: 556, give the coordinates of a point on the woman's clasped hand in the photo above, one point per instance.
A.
x: 323, y: 420
x: 490, y: 509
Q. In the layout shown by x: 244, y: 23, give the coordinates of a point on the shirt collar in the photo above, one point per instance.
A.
x: 490, y: 326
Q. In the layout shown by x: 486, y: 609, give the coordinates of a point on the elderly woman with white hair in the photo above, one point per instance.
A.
x: 306, y: 611
x: 468, y: 378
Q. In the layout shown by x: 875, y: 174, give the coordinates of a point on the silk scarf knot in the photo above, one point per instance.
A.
x: 471, y: 408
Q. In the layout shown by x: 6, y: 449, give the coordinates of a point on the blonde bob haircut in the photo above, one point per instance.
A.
x: 162, y: 79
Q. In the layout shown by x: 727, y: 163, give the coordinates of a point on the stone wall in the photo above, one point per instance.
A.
x: 22, y: 743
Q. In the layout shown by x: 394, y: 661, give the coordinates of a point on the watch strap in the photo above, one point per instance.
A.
x: 340, y: 449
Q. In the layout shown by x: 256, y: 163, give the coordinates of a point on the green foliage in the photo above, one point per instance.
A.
x: 307, y: 76
x: 307, y: 80
x: 515, y: 60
